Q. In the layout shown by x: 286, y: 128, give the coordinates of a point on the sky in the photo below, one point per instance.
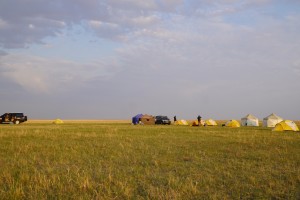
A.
x: 113, y: 59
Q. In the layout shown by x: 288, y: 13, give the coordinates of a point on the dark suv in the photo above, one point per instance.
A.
x: 15, y: 118
x: 162, y: 120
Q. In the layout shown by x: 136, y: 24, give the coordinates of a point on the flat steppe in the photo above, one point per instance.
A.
x: 112, y: 159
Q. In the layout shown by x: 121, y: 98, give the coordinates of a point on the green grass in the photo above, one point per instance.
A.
x: 121, y: 161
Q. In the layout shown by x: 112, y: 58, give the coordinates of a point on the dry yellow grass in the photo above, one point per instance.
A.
x: 106, y: 121
x: 96, y: 159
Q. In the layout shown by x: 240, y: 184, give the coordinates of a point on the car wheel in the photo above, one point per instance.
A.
x: 17, y: 122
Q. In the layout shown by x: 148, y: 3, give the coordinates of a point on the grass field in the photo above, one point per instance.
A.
x: 115, y: 160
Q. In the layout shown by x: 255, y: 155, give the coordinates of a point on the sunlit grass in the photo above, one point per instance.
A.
x: 94, y: 160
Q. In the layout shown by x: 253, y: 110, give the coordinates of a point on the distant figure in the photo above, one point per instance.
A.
x: 199, y: 120
x: 175, y: 119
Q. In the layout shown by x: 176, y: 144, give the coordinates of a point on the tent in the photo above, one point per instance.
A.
x: 148, y: 120
x: 181, y: 122
x: 196, y: 123
x: 58, y: 121
x: 271, y: 120
x: 210, y: 122
x: 286, y: 125
x: 136, y: 119
x: 249, y: 120
x: 232, y: 123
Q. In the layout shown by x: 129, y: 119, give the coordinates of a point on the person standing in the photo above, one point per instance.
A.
x: 199, y: 120
x: 175, y: 119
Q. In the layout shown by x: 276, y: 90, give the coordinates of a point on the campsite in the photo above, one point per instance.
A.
x: 153, y: 99
x: 114, y: 159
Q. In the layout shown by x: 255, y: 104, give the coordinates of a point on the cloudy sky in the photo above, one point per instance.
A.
x: 112, y: 59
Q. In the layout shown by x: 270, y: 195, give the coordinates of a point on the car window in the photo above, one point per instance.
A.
x: 19, y: 115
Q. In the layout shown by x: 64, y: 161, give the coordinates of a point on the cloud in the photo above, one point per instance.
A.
x: 32, y: 21
x: 29, y: 31
x: 2, y: 53
x: 24, y: 23
x: 41, y: 75
x: 177, y: 50
x: 105, y: 29
x: 175, y: 55
x: 145, y: 20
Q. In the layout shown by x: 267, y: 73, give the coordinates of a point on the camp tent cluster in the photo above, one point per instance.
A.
x: 279, y: 124
x: 272, y: 120
x: 150, y: 120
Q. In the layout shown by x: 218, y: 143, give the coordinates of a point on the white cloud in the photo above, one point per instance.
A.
x: 145, y: 20
x: 205, y: 53
x: 99, y: 24
x: 118, y: 18
x: 41, y: 75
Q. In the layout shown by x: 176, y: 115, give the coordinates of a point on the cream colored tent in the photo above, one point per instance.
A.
x: 286, y: 125
x: 58, y: 121
x: 232, y: 123
x: 181, y: 122
x: 249, y: 120
x: 210, y: 122
x: 271, y: 120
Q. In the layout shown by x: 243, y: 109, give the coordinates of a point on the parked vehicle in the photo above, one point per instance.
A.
x: 162, y: 120
x: 15, y: 118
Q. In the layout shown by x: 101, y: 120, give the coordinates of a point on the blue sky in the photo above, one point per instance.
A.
x: 99, y: 59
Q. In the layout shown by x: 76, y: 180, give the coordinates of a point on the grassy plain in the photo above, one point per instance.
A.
x: 115, y: 160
